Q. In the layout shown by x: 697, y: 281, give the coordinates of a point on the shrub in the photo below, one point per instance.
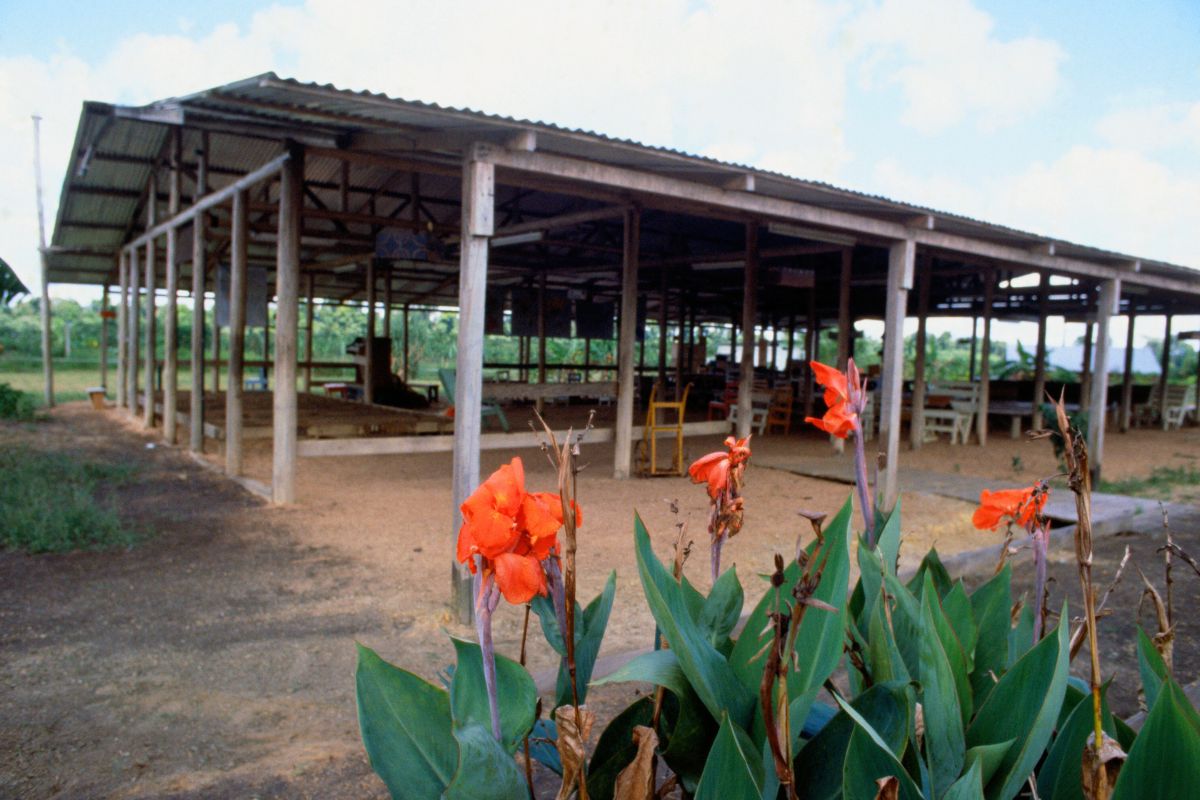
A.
x: 15, y: 404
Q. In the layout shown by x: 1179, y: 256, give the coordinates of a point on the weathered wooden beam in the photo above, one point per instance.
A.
x: 199, y: 274
x: 1039, y: 358
x: 151, y: 319
x: 122, y: 329
x: 1127, y: 377
x: 1164, y: 378
x: 1106, y: 306
x: 917, y: 424
x: 901, y: 258
x: 234, y: 414
x: 170, y: 378
x: 372, y: 284
x: 563, y: 221
x: 134, y: 318
x: 478, y: 224
x: 749, y: 319
x: 287, y: 313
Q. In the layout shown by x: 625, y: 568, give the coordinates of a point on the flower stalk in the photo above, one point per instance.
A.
x: 845, y: 401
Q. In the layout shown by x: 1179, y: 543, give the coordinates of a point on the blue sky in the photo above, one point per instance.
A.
x: 1079, y: 120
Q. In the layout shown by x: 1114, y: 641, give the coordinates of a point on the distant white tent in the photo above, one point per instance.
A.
x: 1070, y: 357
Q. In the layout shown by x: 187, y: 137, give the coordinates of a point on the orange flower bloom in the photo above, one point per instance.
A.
x: 1022, y: 506
x: 714, y: 468
x: 839, y: 417
x: 512, y: 531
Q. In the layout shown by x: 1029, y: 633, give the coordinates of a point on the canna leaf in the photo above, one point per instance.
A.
x: 733, y: 771
x: 516, y: 692
x: 1165, y: 758
x: 944, y: 740
x: 484, y: 772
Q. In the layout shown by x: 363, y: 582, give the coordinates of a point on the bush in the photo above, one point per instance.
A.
x: 53, y: 503
x: 14, y: 404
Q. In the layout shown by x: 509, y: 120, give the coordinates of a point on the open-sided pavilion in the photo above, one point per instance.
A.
x: 304, y: 179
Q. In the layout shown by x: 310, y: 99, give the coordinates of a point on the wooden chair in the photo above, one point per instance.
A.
x: 719, y: 409
x: 647, y: 456
x: 760, y: 404
x: 779, y: 412
x: 450, y: 378
x: 958, y: 419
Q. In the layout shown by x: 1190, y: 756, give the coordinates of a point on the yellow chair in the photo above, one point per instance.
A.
x: 648, y: 447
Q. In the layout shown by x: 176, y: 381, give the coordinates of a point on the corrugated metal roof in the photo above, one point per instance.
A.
x: 98, y: 207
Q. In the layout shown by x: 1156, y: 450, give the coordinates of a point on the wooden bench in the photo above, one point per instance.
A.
x: 950, y: 407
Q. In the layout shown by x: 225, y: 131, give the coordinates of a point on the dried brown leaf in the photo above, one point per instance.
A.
x: 572, y: 747
x: 889, y: 788
x: 636, y: 781
x: 1100, y: 769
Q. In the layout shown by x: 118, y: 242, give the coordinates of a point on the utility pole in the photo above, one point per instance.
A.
x: 47, y: 363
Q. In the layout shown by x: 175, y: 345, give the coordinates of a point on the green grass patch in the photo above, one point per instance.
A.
x: 15, y: 404
x: 1158, y: 485
x: 55, y: 502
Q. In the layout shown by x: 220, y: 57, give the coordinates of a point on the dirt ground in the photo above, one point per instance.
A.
x: 216, y: 658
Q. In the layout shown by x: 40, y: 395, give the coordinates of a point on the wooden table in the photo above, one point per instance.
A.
x: 507, y: 392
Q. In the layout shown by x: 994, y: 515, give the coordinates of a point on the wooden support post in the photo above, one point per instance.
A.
x: 134, y: 321
x: 104, y: 312
x: 151, y: 313
x: 749, y: 317
x: 478, y: 223
x: 845, y: 326
x: 1164, y: 378
x: 626, y: 336
x: 287, y: 316
x: 369, y: 353
x: 309, y: 297
x: 407, y: 376
x: 1039, y: 358
x: 1107, y: 305
x: 663, y: 315
x: 791, y: 344
x: 237, y: 335
x: 985, y: 359
x: 387, y: 308
x: 540, y: 403
x: 974, y: 346
x: 122, y: 328
x: 1085, y: 376
x: 811, y: 353
x: 681, y: 348
x: 1127, y: 376
x: 216, y: 346
x: 733, y: 343
x: 901, y: 257
x: 199, y: 279
x: 171, y: 323
x: 917, y: 424
x: 44, y: 308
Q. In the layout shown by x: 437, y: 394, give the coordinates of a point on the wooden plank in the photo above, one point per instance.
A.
x: 151, y: 320
x: 1127, y: 376
x: 917, y: 423
x: 133, y: 320
x: 199, y: 278
x: 287, y: 313
x: 122, y: 328
x: 985, y: 359
x: 508, y: 442
x: 749, y: 319
x: 901, y: 257
x: 478, y: 194
x: 563, y: 220
x: 1109, y: 299
x: 171, y: 327
x: 234, y: 416
x: 622, y: 453
x: 369, y: 353
x: 308, y: 336
x: 1039, y: 369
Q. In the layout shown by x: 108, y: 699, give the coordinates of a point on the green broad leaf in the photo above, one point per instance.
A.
x: 1024, y: 707
x: 543, y: 745
x: 734, y: 769
x: 406, y: 728
x: 693, y: 598
x: 819, y: 641
x: 883, y: 658
x: 906, y: 624
x: 991, y: 608
x: 866, y: 762
x: 818, y: 765
x: 989, y: 757
x: 957, y: 608
x: 485, y: 770
x: 1165, y: 758
x: 710, y: 675
x: 873, y: 564
x: 748, y: 656
x: 944, y: 740
x: 543, y: 606
x: 660, y: 667
x: 1060, y: 776
x: 953, y: 649
x: 1151, y: 666
x: 968, y: 787
x: 931, y: 566
x: 589, y: 634
x: 1020, y: 636
x: 888, y: 543
x: 515, y: 690
x: 721, y: 609
x: 1124, y: 734
x: 616, y: 749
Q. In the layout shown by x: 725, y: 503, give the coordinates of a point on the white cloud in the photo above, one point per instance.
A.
x: 1155, y: 127
x: 950, y: 66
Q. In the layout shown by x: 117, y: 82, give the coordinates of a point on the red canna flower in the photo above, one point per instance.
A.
x: 715, y: 468
x: 512, y: 531
x: 840, y: 414
x: 1022, y: 506
x: 723, y: 471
